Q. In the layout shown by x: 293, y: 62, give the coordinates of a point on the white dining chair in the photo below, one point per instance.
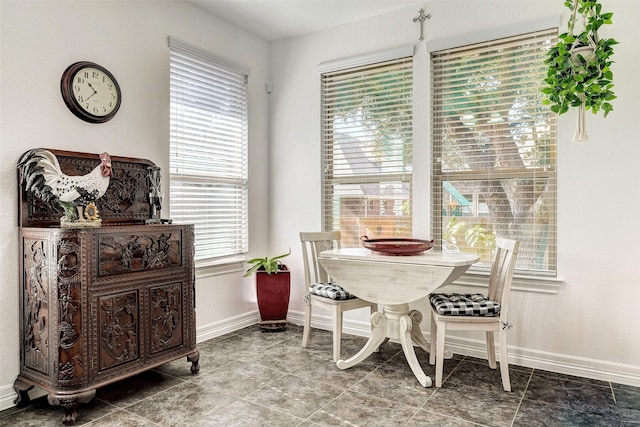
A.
x: 321, y: 291
x: 477, y: 312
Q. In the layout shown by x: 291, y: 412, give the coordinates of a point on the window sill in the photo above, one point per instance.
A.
x: 218, y: 267
x: 545, y: 285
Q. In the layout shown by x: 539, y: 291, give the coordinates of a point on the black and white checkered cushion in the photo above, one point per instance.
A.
x: 330, y: 290
x: 455, y: 304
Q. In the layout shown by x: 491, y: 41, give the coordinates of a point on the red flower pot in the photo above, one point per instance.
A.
x: 273, y: 299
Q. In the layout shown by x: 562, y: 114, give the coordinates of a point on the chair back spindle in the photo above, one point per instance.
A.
x: 502, y: 273
x: 313, y: 244
x: 477, y: 312
x: 320, y: 292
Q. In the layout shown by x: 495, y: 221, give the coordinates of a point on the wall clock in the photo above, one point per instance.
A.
x: 90, y: 91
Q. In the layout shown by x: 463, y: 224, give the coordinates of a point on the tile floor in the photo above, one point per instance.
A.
x: 250, y: 378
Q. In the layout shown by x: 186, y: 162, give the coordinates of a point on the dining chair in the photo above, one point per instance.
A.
x: 321, y: 291
x: 477, y: 312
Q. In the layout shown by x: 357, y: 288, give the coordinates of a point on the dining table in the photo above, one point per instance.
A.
x: 393, y: 281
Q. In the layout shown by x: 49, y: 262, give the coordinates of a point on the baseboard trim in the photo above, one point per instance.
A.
x: 562, y: 364
x: 216, y: 329
x: 569, y: 365
x: 7, y: 396
x: 558, y: 363
x: 352, y: 327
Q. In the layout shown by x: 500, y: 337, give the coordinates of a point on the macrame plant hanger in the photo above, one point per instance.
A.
x: 581, y: 129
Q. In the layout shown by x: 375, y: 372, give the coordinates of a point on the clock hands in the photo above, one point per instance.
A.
x: 94, y: 91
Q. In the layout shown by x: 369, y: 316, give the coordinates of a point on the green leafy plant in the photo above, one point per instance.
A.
x: 269, y: 265
x: 453, y: 227
x: 69, y: 209
x: 480, y: 237
x: 575, y: 78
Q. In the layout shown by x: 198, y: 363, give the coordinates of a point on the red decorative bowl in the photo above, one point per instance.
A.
x: 397, y: 246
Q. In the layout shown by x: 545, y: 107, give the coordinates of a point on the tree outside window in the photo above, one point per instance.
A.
x: 494, y: 150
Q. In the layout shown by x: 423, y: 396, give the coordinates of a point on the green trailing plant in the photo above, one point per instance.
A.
x: 576, y: 78
x: 269, y: 265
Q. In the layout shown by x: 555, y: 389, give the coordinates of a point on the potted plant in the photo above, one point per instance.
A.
x: 273, y: 284
x: 579, y: 73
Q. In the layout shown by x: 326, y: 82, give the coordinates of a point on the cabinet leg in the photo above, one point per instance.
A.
x: 69, y: 403
x: 22, y: 388
x: 70, y: 415
x: 194, y: 358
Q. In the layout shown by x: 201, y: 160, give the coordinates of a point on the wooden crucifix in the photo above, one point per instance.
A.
x: 421, y: 18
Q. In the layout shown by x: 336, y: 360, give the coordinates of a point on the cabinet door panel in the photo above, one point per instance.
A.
x: 118, y: 329
x: 166, y: 317
x: 35, y: 305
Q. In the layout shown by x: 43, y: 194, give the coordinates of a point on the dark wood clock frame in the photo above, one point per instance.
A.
x: 66, y: 88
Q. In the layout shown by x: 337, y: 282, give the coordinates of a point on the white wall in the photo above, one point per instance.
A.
x: 589, y: 327
x: 39, y: 40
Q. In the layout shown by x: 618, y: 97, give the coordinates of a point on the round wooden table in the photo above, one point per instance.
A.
x: 393, y: 281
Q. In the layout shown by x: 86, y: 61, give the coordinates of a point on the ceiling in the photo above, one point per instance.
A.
x: 275, y: 20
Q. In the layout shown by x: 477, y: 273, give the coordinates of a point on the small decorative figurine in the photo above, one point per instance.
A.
x: 155, y: 195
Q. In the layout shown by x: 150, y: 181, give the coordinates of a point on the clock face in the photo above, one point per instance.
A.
x: 95, y: 91
x: 91, y: 92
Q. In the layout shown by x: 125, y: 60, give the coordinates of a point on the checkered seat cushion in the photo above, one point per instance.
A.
x: 330, y: 290
x: 455, y: 304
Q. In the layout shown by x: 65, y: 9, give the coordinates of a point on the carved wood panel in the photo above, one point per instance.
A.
x: 125, y: 202
x: 118, y: 328
x: 165, y: 316
x: 35, y: 310
x: 71, y: 355
x: 122, y: 253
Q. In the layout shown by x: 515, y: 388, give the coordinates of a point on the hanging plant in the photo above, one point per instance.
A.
x: 579, y: 73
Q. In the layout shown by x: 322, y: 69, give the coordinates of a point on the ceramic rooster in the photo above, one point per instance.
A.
x: 41, y: 175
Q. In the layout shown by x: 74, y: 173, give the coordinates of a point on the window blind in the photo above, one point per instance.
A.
x: 494, y: 149
x: 367, y: 150
x: 208, y: 150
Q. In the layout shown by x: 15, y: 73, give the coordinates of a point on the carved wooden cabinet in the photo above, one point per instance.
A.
x: 100, y: 304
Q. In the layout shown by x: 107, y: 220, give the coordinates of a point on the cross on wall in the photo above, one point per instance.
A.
x: 421, y: 18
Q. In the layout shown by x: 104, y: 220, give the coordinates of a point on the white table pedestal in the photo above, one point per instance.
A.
x: 393, y: 282
x: 396, y: 322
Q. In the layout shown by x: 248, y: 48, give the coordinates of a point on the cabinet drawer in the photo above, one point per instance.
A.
x: 126, y: 253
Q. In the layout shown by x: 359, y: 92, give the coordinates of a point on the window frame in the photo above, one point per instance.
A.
x: 212, y: 178
x: 335, y: 175
x: 466, y: 44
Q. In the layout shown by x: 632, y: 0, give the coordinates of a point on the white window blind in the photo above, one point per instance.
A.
x: 208, y: 150
x: 494, y: 150
x: 367, y: 150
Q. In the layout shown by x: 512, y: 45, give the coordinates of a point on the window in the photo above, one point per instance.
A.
x: 494, y: 150
x: 367, y: 150
x: 208, y: 143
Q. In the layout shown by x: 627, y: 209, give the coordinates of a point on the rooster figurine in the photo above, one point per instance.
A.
x: 41, y: 175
